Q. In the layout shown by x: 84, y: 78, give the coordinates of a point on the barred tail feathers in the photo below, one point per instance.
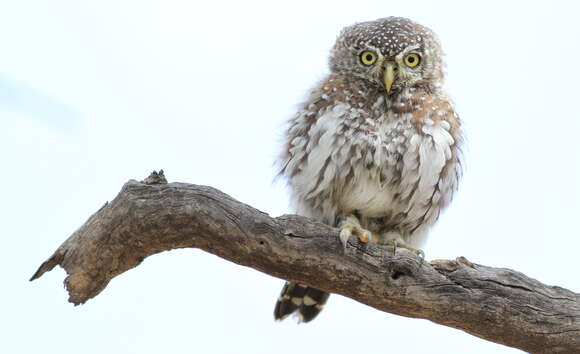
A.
x: 298, y: 297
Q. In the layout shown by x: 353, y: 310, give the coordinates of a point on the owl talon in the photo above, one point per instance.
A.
x: 420, y: 254
x: 351, y: 226
x: 344, y: 235
x: 397, y: 243
x: 364, y: 235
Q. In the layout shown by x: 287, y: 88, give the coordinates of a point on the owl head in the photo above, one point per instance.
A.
x: 391, y: 53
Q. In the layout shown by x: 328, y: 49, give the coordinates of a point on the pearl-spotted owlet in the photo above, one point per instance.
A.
x: 375, y: 150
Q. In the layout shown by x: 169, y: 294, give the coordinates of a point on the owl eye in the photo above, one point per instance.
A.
x: 368, y: 58
x: 412, y: 60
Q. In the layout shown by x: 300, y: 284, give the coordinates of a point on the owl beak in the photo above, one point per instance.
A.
x: 389, y: 74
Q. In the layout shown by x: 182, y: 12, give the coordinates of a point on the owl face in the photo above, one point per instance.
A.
x: 390, y: 53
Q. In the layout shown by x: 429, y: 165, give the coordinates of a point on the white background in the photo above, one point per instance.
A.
x: 94, y: 93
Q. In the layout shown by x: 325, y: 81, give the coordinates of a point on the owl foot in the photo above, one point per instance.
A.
x: 397, y: 243
x: 351, y: 226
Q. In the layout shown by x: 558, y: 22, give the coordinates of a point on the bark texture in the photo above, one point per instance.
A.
x: 497, y: 304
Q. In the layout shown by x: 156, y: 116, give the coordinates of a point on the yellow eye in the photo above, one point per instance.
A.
x: 368, y: 58
x: 412, y: 60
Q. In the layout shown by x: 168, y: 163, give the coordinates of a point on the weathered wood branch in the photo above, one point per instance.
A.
x: 500, y: 305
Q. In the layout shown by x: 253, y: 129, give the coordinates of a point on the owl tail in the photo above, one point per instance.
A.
x: 308, y: 301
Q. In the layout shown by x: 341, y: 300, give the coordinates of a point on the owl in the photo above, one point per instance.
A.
x: 376, y: 148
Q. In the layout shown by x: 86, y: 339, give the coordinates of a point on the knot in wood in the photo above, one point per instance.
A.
x: 400, y: 267
x: 156, y: 178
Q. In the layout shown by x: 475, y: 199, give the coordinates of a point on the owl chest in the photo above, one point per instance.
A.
x: 379, y: 166
x: 374, y: 156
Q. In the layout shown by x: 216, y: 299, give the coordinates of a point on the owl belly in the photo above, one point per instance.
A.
x: 418, y: 173
x: 369, y: 197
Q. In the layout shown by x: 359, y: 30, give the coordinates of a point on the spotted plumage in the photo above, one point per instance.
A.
x: 375, y: 149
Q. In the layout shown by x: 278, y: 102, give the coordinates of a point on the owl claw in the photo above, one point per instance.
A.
x: 350, y: 227
x: 344, y: 235
x: 396, y: 243
x: 364, y: 235
x: 420, y: 254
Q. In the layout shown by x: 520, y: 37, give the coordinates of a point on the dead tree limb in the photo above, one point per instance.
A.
x: 500, y: 305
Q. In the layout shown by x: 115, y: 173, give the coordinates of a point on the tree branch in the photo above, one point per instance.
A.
x: 500, y: 305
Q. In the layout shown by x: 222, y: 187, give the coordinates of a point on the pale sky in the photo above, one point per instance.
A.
x: 94, y: 93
